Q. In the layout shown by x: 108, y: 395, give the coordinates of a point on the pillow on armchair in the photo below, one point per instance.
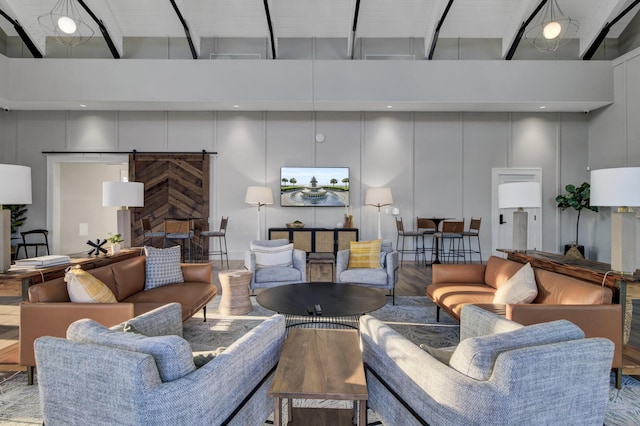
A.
x: 365, y: 254
x: 273, y: 256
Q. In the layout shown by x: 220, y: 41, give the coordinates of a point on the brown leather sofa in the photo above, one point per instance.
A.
x: 49, y: 310
x: 559, y: 297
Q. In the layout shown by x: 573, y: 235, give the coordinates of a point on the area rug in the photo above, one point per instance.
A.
x: 413, y: 317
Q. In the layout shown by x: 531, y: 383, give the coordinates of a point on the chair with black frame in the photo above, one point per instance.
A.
x: 148, y: 233
x: 222, y: 239
x: 415, y: 235
x: 452, y: 231
x: 473, y: 232
x: 180, y: 230
x: 428, y: 228
x: 34, y: 238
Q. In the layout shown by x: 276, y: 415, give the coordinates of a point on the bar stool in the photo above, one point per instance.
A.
x: 148, y: 233
x: 428, y: 228
x: 473, y: 232
x: 452, y: 231
x: 415, y: 235
x: 222, y: 239
x: 179, y: 229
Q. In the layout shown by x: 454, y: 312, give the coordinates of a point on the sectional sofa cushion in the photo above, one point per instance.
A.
x: 476, y: 356
x: 172, y: 354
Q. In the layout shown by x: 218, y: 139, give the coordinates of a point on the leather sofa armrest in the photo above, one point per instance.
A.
x: 197, y: 272
x: 457, y: 273
x: 53, y: 319
x: 595, y: 320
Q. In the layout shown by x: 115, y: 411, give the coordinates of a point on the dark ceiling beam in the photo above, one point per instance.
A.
x: 605, y: 30
x: 270, y: 25
x: 23, y: 35
x: 354, y: 28
x: 107, y: 38
x: 523, y: 27
x: 437, y: 33
x: 185, y: 26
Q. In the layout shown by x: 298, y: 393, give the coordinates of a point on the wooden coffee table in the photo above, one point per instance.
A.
x: 320, y: 364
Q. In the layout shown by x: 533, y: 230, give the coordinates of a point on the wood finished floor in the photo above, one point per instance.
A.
x: 413, y: 280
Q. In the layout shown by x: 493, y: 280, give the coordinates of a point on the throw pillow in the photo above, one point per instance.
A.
x: 364, y: 254
x: 475, y: 356
x: 162, y: 266
x: 172, y: 353
x: 273, y: 256
x: 521, y: 288
x: 85, y: 288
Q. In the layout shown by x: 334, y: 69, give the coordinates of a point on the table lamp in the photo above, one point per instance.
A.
x: 123, y: 195
x: 259, y: 196
x: 15, y: 189
x: 519, y: 195
x: 378, y: 197
x: 619, y: 187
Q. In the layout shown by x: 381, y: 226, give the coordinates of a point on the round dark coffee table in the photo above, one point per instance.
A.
x: 341, y: 304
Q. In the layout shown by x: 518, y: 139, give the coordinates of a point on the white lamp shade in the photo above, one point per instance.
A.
x: 519, y: 195
x: 259, y: 195
x: 125, y: 194
x: 378, y: 197
x: 615, y: 187
x: 15, y: 184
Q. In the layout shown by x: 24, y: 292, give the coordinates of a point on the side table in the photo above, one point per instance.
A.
x: 321, y: 259
x: 235, y: 292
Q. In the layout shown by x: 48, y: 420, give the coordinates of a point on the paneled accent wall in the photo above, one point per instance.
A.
x: 175, y: 186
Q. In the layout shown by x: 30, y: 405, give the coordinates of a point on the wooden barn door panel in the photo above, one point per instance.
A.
x: 175, y: 186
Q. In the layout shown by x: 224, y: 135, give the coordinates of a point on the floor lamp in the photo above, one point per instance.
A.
x: 378, y: 197
x: 619, y: 187
x: 519, y: 195
x: 15, y: 189
x: 123, y: 195
x: 258, y: 196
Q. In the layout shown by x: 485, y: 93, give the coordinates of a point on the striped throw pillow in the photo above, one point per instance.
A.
x: 364, y: 254
x: 85, y: 288
x: 273, y: 256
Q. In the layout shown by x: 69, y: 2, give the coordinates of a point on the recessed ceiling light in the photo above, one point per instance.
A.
x: 83, y: 106
x: 236, y: 106
x: 389, y: 106
x: 542, y: 107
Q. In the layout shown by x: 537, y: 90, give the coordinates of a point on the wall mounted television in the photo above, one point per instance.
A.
x: 314, y: 186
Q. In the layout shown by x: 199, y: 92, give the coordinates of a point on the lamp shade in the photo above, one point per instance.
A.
x: 378, y: 197
x: 615, y: 187
x: 16, y: 184
x: 519, y: 195
x: 125, y: 194
x: 259, y: 195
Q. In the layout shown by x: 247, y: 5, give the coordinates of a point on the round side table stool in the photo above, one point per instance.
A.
x: 235, y: 292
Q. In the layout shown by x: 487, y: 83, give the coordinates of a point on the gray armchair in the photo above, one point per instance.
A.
x: 273, y: 276
x: 90, y: 378
x: 384, y: 277
x: 501, y: 373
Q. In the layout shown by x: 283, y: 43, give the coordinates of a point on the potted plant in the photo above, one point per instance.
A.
x: 115, y: 240
x: 577, y: 198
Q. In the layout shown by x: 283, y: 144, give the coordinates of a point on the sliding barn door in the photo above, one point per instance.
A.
x: 175, y: 186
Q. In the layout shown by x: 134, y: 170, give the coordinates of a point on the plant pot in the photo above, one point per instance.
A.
x: 567, y: 247
x: 115, y: 248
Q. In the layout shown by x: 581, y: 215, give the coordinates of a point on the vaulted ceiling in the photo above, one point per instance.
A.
x: 346, y: 19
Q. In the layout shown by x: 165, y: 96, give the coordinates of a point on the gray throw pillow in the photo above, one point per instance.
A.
x: 162, y: 267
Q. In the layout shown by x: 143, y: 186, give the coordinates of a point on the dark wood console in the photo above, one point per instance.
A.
x: 316, y: 240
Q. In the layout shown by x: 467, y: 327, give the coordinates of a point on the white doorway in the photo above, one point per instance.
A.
x: 502, y: 229
x: 74, y: 206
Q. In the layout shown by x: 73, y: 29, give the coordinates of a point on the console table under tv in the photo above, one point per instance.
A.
x: 316, y: 240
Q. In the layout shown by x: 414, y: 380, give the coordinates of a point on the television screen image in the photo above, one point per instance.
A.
x: 314, y: 186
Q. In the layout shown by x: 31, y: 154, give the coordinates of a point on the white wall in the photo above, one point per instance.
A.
x: 435, y: 163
